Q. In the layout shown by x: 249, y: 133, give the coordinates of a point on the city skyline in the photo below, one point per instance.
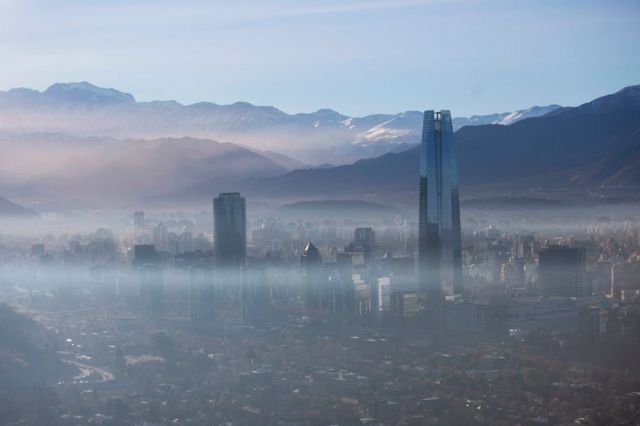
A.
x: 229, y: 263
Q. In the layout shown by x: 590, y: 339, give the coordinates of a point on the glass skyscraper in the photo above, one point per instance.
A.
x: 439, y: 246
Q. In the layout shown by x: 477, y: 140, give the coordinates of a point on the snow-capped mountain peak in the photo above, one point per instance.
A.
x: 535, y: 111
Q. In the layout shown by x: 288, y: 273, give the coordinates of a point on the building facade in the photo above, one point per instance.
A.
x: 562, y: 272
x: 230, y: 231
x: 365, y: 241
x: 439, y: 245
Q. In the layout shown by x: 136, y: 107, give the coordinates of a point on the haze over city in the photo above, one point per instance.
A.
x: 380, y: 212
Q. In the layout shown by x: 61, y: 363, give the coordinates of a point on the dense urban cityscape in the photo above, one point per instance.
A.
x: 237, y: 319
x: 319, y: 213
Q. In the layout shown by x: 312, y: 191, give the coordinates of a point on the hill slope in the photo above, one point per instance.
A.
x: 13, y: 210
x: 27, y: 353
x: 62, y: 172
x: 537, y: 146
x: 129, y: 170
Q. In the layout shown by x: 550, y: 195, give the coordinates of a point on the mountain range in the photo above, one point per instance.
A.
x: 593, y: 146
x: 83, y: 110
x: 109, y: 172
x: 56, y: 163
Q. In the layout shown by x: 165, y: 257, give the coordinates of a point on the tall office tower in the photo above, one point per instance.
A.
x: 161, y: 237
x: 524, y: 246
x: 230, y: 231
x: 439, y: 245
x: 383, y: 298
x: 365, y: 241
x: 145, y: 254
x: 138, y: 219
x: 138, y: 227
x: 313, y: 279
x: 362, y: 296
x: 562, y: 272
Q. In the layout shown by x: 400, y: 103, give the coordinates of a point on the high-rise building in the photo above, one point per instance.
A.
x: 161, y: 237
x: 362, y: 296
x: 383, y: 299
x: 185, y: 242
x: 138, y: 219
x: 145, y: 254
x: 524, y: 246
x: 562, y: 272
x: 365, y: 241
x: 314, y: 281
x: 404, y: 304
x: 439, y: 246
x: 230, y: 231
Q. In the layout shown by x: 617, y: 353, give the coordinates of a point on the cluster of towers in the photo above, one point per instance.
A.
x: 439, y: 260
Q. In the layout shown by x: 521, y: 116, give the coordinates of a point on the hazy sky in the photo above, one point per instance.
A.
x: 356, y: 56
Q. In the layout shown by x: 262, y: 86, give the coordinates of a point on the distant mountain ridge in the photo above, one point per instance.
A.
x: 588, y: 146
x: 594, y: 144
x: 556, y: 143
x: 123, y: 170
x: 84, y: 110
x: 52, y: 171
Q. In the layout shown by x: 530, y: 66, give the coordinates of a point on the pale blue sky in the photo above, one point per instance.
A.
x: 355, y: 56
